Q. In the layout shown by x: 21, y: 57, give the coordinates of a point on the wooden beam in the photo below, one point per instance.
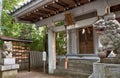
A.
x: 51, y: 8
x: 25, y: 19
x: 44, y: 12
x: 60, y: 4
x: 75, y: 2
x: 115, y: 8
x: 63, y: 2
x: 31, y: 16
x: 37, y: 13
x: 79, y: 24
x: 83, y: 1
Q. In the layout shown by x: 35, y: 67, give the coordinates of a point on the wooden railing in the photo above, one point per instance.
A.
x: 35, y: 60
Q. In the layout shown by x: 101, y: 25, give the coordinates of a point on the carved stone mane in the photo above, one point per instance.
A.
x: 7, y: 49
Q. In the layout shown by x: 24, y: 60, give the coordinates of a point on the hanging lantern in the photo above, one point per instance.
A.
x: 69, y: 20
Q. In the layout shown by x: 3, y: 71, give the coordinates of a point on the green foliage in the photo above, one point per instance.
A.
x: 39, y: 37
x: 12, y: 29
x: 61, y: 43
x: 60, y: 40
x: 59, y: 23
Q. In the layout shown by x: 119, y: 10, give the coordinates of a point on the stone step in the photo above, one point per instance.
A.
x: 71, y: 61
x: 75, y: 69
x: 72, y: 74
x: 88, y: 67
x: 74, y: 65
x: 79, y: 68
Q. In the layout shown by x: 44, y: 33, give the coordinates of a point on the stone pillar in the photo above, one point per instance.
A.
x: 51, y: 51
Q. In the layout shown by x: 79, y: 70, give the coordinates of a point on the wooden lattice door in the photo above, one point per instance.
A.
x: 86, y: 40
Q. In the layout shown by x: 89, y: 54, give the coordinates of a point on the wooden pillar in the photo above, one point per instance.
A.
x: 96, y: 41
x: 74, y: 41
x: 68, y: 42
x: 51, y: 51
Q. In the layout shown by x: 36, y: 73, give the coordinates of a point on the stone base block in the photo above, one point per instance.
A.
x: 8, y: 74
x: 9, y: 71
x: 110, y: 60
x: 9, y: 67
x: 7, y: 61
x: 103, y: 70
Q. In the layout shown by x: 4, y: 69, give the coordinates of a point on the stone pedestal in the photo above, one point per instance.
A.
x: 111, y: 60
x: 7, y: 61
x: 8, y: 74
x: 103, y: 70
x: 8, y: 68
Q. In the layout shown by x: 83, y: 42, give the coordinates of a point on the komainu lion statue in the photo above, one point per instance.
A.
x: 7, y: 49
x: 109, y: 33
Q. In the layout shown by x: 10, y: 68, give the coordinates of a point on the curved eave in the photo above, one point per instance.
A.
x: 32, y: 11
x: 27, y: 7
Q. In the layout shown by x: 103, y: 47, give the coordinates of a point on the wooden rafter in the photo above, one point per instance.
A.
x: 51, y: 8
x: 44, y: 12
x: 40, y: 14
x: 83, y: 1
x: 33, y: 15
x: 63, y: 2
x: 115, y: 8
x: 25, y: 19
x: 76, y: 3
x: 60, y: 3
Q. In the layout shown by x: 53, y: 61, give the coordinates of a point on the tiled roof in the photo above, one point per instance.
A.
x: 21, y: 6
x: 47, y: 9
x: 5, y: 38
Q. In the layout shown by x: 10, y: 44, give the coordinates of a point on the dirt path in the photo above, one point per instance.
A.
x: 32, y: 74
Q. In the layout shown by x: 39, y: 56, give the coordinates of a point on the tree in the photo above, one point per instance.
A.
x: 39, y: 37
x: 0, y: 13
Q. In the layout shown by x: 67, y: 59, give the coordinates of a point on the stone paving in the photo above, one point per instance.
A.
x: 34, y: 74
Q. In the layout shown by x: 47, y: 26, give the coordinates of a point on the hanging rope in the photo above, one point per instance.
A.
x: 107, y: 7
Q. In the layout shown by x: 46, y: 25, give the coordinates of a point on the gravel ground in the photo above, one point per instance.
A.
x: 33, y: 74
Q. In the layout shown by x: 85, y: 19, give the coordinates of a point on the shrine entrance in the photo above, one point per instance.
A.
x: 86, y: 43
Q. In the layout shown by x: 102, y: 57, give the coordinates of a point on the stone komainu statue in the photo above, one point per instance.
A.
x: 7, y: 49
